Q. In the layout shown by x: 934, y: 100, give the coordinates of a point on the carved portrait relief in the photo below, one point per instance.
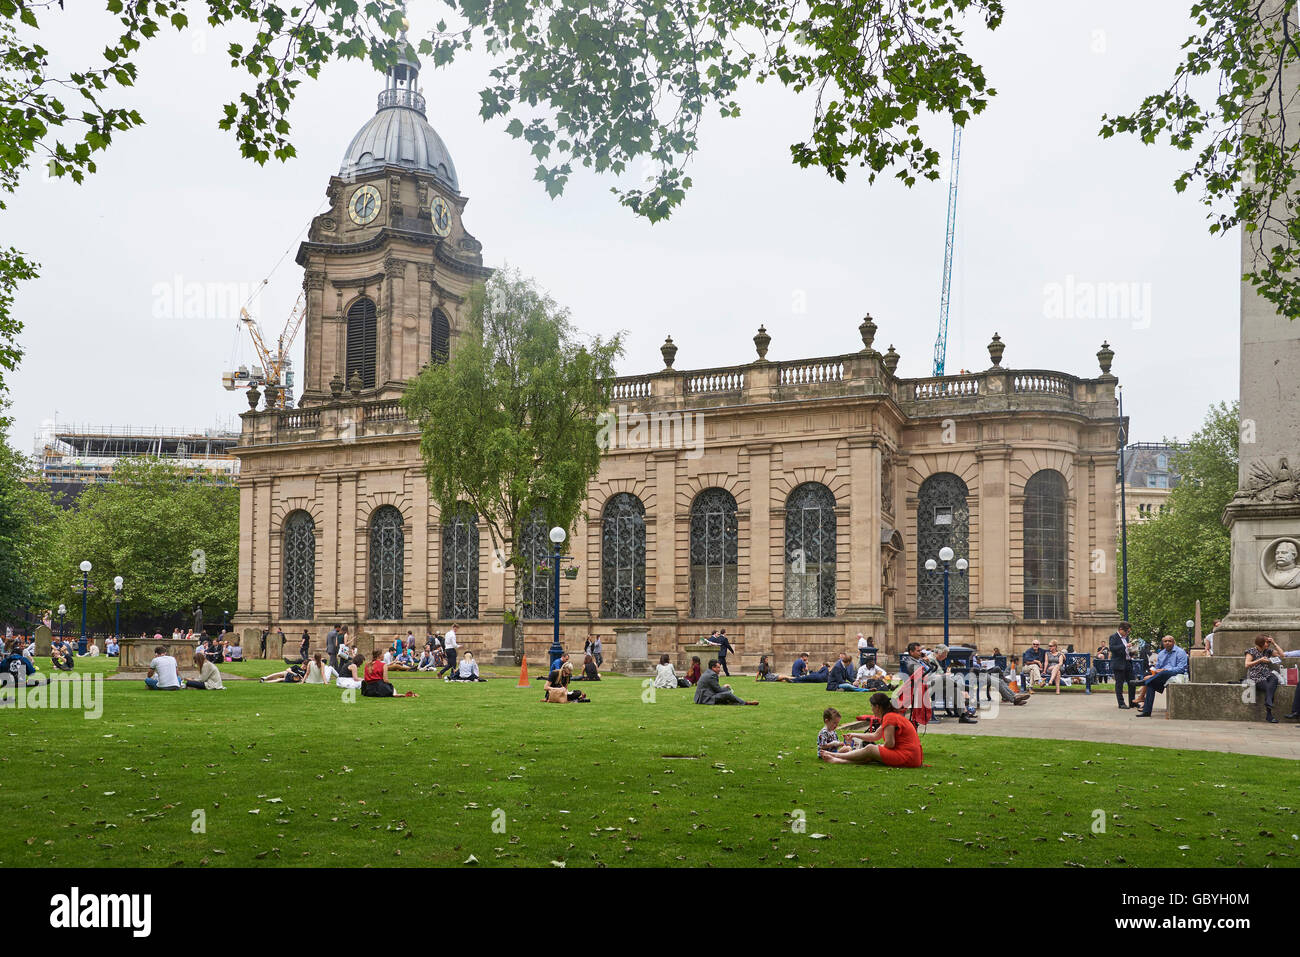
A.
x: 1280, y: 563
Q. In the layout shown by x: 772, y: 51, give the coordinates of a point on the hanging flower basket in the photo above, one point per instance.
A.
x: 571, y: 572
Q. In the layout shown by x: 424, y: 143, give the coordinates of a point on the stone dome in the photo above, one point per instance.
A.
x: 399, y: 134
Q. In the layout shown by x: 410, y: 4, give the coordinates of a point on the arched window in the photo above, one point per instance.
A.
x: 942, y: 518
x: 536, y: 575
x: 441, y: 338
x: 298, y: 567
x: 1046, y: 546
x: 361, y: 342
x: 714, y: 554
x: 387, y: 563
x: 810, y: 552
x: 460, y: 563
x: 622, y: 558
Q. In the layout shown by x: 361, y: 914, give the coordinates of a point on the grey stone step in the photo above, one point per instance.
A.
x: 1222, y: 702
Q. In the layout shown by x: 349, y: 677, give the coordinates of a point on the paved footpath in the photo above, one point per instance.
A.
x: 1079, y: 717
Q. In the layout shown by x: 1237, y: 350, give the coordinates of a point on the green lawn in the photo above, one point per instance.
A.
x: 293, y: 775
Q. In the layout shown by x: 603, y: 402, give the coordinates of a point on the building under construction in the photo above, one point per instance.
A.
x: 71, y: 457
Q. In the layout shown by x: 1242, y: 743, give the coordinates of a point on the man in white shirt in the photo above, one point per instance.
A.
x: 1209, y: 641
x: 162, y: 672
x: 869, y: 670
x: 449, y: 643
x: 863, y: 646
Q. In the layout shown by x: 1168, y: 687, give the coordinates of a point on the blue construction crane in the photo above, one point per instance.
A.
x: 941, y: 343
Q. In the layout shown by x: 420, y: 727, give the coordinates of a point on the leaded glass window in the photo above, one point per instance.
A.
x: 622, y: 558
x: 536, y: 577
x: 1046, y: 546
x: 441, y: 338
x: 460, y: 563
x: 361, y: 343
x: 387, y: 563
x: 298, y: 567
x: 810, y: 552
x: 715, y: 554
x: 942, y: 518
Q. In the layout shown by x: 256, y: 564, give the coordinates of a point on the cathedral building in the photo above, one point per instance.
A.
x: 795, y: 503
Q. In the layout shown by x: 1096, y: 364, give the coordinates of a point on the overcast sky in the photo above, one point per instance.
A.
x: 1046, y: 208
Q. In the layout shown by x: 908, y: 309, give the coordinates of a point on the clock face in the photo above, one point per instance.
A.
x: 440, y: 213
x: 364, y: 205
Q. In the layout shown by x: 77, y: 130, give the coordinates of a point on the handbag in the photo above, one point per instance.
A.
x: 557, y: 696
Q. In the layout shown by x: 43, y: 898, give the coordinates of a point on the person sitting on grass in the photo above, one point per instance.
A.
x: 162, y: 674
x: 827, y: 738
x: 871, y: 677
x: 709, y: 691
x: 349, y: 678
x: 293, y: 675
x: 61, y: 657
x: 841, y: 676
x: 559, y: 679
x: 666, y: 675
x: 589, y: 670
x: 375, y: 683
x: 401, y: 658
x: 316, y: 671
x: 427, y: 662
x: 693, y: 672
x: 898, y: 745
x: 17, y: 668
x: 209, y: 675
x: 765, y: 672
x: 466, y: 670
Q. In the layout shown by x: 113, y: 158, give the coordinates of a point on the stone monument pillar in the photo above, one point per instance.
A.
x: 1264, y: 515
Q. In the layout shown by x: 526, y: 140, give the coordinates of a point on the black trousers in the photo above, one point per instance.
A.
x: 1269, y: 686
x: 722, y: 660
x: 451, y: 661
x: 1124, y: 675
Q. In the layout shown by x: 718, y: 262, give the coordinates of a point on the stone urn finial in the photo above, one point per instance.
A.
x: 272, y: 396
x: 1105, y: 355
x: 669, y: 351
x: 337, y: 385
x: 891, y: 360
x: 761, y: 341
x: 355, y: 384
x: 867, y: 329
x: 996, y: 348
x: 254, y: 396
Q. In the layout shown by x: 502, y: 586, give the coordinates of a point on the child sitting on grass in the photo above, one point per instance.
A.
x: 827, y: 738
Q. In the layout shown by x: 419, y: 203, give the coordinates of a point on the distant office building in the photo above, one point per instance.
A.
x: 1149, y: 477
x: 69, y: 458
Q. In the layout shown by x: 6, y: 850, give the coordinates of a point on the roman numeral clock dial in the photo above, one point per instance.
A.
x: 364, y: 206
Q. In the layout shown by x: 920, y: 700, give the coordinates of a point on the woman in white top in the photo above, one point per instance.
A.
x: 316, y: 671
x: 467, y: 670
x: 666, y: 675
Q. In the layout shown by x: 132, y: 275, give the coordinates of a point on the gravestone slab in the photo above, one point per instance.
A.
x: 44, y: 640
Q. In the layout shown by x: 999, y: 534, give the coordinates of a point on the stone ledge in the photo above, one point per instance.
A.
x: 1222, y: 702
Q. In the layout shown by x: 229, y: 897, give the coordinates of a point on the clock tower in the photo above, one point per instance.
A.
x: 389, y: 266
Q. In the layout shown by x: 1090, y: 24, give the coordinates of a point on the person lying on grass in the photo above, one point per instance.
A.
x: 898, y: 745
x: 375, y: 683
x: 765, y: 672
x: 293, y: 675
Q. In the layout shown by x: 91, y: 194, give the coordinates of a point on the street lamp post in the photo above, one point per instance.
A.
x: 85, y: 590
x: 117, y: 608
x: 1191, y: 625
x: 557, y: 536
x: 945, y: 555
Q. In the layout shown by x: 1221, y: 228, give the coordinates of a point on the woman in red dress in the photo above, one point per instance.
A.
x: 898, y: 745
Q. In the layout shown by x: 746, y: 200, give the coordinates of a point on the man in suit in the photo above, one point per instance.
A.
x: 708, y: 691
x: 841, y: 676
x: 332, y: 647
x: 1121, y: 665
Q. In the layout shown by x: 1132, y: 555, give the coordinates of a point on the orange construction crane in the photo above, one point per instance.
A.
x: 275, y: 367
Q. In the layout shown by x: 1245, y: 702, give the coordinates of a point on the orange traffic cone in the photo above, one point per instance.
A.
x: 523, y: 673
